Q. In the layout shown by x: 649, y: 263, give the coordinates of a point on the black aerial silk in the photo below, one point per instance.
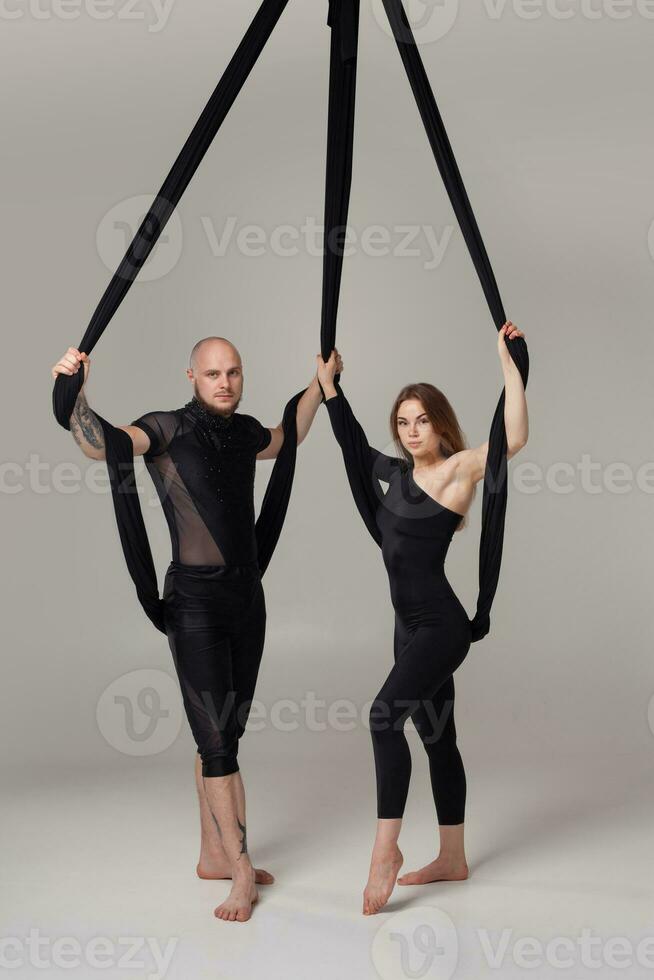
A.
x: 344, y: 22
x: 340, y: 161
x: 119, y: 447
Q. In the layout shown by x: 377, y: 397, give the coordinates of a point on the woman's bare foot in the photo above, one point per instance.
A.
x: 442, y: 869
x: 216, y: 867
x: 384, y: 866
x: 237, y: 907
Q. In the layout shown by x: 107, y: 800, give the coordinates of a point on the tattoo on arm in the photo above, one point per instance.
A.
x: 85, y: 426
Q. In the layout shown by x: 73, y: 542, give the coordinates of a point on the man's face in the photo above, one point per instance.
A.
x: 217, y: 377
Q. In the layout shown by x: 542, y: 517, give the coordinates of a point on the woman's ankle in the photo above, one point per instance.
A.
x: 451, y: 857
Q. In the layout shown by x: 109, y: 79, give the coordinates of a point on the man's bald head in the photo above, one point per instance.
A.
x: 219, y: 344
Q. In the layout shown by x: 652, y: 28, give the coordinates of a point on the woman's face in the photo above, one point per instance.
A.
x: 415, y: 431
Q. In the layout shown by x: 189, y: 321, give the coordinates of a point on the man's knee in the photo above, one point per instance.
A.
x: 218, y: 751
x: 219, y: 765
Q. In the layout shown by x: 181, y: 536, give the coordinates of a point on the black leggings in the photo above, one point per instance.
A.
x: 420, y: 685
x: 215, y: 622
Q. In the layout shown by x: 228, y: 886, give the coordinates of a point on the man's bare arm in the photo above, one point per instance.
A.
x: 84, y: 423
x: 86, y: 429
x: 307, y: 408
x: 276, y: 442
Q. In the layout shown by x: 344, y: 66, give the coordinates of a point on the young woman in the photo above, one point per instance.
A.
x: 431, y: 487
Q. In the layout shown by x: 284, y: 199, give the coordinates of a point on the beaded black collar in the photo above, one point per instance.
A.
x: 210, y: 421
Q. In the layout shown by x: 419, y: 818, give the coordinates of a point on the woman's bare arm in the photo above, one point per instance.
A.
x: 516, y: 419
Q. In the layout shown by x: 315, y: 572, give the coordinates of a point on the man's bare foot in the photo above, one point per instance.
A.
x: 442, y: 869
x: 215, y: 868
x: 384, y: 867
x: 237, y: 907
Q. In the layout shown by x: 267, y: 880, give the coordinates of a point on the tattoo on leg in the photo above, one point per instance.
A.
x: 217, y: 824
x: 84, y: 424
x: 244, y: 839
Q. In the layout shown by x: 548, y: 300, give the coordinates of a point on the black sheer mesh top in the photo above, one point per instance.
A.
x: 203, y: 468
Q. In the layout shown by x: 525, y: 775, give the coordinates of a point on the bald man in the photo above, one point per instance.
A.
x: 201, y: 458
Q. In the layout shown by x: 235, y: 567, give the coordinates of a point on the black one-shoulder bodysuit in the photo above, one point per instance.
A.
x: 432, y: 629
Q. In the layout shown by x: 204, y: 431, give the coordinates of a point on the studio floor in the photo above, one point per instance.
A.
x: 99, y: 870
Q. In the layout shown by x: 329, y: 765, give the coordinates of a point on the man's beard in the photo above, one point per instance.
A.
x: 211, y: 407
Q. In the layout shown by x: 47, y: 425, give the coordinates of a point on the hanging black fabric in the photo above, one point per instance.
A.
x: 344, y: 22
x: 67, y: 387
x: 343, y: 19
x: 495, y: 478
x: 119, y: 447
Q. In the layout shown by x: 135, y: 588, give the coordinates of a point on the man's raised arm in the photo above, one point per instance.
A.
x: 84, y: 423
x: 307, y: 408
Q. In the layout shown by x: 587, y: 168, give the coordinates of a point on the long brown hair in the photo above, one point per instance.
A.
x: 442, y: 416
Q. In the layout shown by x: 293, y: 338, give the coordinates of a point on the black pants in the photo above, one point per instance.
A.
x: 420, y: 685
x: 216, y: 622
